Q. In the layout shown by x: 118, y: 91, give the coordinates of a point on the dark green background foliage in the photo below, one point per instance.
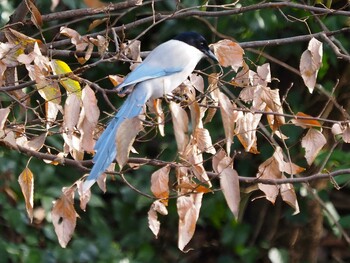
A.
x: 115, y: 229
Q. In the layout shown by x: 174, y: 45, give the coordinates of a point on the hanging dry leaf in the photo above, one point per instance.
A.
x: 273, y: 168
x: 36, y: 143
x: 343, y: 130
x: 217, y: 159
x: 269, y: 170
x: 88, y: 119
x: 125, y: 137
x: 229, y: 117
x: 153, y: 222
x: 95, y: 23
x: 312, y: 142
x: 26, y: 181
x: 245, y: 77
x: 229, y: 183
x: 115, y: 79
x: 307, y: 122
x: 264, y: 74
x: 3, y: 117
x: 288, y: 195
x: 229, y: 53
x: 84, y: 196
x: 197, y: 82
x: 273, y: 103
x: 70, y: 120
x: 180, y: 125
x: 310, y: 63
x: 35, y: 14
x: 204, y: 141
x: 346, y: 134
x: 160, y: 184
x: 155, y: 106
x: 195, y: 158
x: 246, y: 131
x: 188, y: 208
x: 64, y: 217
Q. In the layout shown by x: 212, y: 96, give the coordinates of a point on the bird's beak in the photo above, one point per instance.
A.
x: 211, y: 55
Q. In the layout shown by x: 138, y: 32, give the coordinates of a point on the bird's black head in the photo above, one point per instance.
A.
x: 198, y: 41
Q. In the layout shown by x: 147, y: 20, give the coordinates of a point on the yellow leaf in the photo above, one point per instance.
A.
x: 61, y: 67
x: 26, y: 181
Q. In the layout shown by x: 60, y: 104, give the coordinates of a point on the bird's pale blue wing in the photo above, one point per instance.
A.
x: 146, y: 72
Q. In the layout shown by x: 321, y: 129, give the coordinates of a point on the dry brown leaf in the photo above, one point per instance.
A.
x: 88, y: 119
x: 195, y: 158
x: 305, y: 123
x: 155, y: 106
x: 64, y: 217
x: 36, y: 143
x: 346, y: 134
x: 217, y: 159
x: 229, y: 183
x: 70, y: 121
x: 288, y: 195
x: 153, y: 222
x: 229, y: 117
x: 80, y: 42
x: 286, y: 167
x: 9, y: 138
x: 310, y: 63
x: 35, y: 14
x: 125, y: 137
x: 26, y: 181
x: 245, y: 77
x: 132, y: 50
x: 273, y: 103
x: 343, y: 130
x: 197, y: 82
x: 3, y: 117
x: 312, y: 142
x: 273, y: 168
x: 188, y: 208
x: 229, y: 54
x: 214, y: 91
x: 84, y: 196
x: 180, y: 126
x: 94, y: 3
x: 115, y: 79
x: 246, y: 131
x: 204, y: 141
x: 160, y: 184
x: 264, y: 74
x: 95, y: 23
x: 269, y: 170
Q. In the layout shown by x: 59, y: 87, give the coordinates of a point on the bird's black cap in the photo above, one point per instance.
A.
x: 198, y: 41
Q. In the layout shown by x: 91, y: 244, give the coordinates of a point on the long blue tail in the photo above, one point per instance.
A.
x: 105, y: 148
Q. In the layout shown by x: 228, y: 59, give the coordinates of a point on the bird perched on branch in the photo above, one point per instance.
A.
x: 163, y: 70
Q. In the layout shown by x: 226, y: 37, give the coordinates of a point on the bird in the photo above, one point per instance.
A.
x: 162, y: 71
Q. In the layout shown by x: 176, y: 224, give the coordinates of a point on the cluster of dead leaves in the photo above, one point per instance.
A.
x: 80, y: 117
